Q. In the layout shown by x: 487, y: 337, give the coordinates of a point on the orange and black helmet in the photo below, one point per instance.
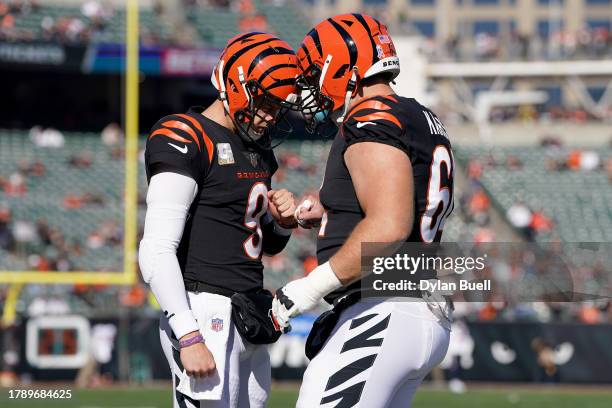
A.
x: 256, y: 73
x: 336, y: 55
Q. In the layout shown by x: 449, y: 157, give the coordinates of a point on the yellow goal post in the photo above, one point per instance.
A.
x: 128, y: 275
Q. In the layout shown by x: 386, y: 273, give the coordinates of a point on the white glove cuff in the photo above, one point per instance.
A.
x: 183, y: 323
x: 323, y: 280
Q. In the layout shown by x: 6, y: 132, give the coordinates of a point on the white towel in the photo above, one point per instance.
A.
x: 213, y: 314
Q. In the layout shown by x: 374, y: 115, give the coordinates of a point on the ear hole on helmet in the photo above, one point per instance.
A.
x: 233, y: 85
x: 341, y: 71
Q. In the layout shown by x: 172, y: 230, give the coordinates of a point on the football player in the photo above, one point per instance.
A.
x: 388, y: 178
x: 211, y: 214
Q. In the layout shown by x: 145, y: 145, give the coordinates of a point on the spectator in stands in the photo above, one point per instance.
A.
x: 48, y: 137
x: 582, y: 160
x: 276, y: 264
x: 77, y: 201
x: 513, y: 162
x: 36, y: 169
x: 609, y: 169
x: 81, y: 160
x: 92, y: 9
x: 519, y: 216
x: 109, y: 233
x: 16, y: 185
x: 7, y: 240
x: 478, y: 205
x: 254, y: 22
x: 540, y: 223
x: 589, y: 313
x: 309, y: 263
x: 25, y: 233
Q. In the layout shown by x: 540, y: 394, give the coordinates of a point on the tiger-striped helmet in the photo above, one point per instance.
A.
x: 256, y: 72
x: 336, y: 55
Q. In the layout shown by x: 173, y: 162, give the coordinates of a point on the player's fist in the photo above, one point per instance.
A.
x: 304, y: 294
x: 197, y: 359
x: 290, y: 301
x: 282, y: 206
x: 309, y: 212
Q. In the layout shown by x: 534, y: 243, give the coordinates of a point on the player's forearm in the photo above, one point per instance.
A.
x: 163, y: 274
x: 346, y: 263
x: 275, y: 241
x: 168, y: 200
x: 275, y: 237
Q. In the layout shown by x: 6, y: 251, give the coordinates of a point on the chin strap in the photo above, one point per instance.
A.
x: 350, y: 88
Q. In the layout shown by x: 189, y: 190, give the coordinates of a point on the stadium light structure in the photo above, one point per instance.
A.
x: 569, y: 74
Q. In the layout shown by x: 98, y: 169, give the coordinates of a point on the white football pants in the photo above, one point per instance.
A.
x: 377, y: 355
x: 247, y: 371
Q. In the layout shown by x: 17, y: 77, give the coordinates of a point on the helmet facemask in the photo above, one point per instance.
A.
x: 316, y: 107
x: 265, y: 117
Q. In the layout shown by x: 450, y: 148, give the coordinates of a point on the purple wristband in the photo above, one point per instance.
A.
x: 191, y: 341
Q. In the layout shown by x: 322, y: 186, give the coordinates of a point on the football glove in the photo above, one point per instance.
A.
x: 303, y: 294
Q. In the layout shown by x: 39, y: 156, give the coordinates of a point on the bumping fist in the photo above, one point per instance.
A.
x: 282, y: 206
x: 309, y: 212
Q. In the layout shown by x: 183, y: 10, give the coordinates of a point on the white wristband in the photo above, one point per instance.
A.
x: 322, y: 280
x: 183, y: 323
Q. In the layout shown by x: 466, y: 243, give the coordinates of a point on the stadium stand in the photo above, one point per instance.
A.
x: 69, y: 24
x: 571, y: 187
x: 214, y: 25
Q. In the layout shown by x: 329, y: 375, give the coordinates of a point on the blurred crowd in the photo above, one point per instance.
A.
x: 78, y: 25
x: 588, y: 43
x: 47, y: 246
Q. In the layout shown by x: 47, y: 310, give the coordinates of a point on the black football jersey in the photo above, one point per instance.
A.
x: 222, y: 240
x: 409, y: 126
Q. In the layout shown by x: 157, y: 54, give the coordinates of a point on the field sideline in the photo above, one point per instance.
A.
x: 478, y: 396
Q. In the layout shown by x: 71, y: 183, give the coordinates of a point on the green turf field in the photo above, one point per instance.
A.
x: 285, y: 398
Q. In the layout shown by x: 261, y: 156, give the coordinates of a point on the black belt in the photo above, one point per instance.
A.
x: 199, y: 287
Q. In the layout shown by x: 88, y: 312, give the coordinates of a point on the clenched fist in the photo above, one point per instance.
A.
x: 197, y: 360
x: 282, y: 206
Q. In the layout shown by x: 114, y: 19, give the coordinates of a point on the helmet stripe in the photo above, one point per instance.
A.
x: 360, y: 18
x: 282, y: 82
x: 266, y: 53
x: 377, y: 23
x: 314, y: 35
x: 274, y: 68
x: 350, y: 43
x: 242, y: 37
x: 307, y: 53
x: 241, y: 52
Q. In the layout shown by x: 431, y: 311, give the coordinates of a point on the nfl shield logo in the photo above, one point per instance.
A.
x: 216, y: 324
x: 254, y: 157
